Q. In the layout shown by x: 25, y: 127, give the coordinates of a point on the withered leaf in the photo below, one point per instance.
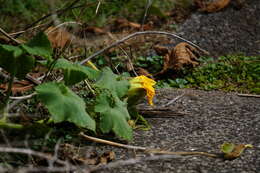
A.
x: 214, y: 6
x: 141, y: 71
x: 58, y: 37
x: 184, y: 54
x: 181, y: 55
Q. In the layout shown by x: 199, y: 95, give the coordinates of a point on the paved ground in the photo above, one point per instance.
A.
x: 228, y: 31
x: 213, y: 118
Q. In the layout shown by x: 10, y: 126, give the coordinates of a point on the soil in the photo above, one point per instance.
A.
x: 212, y: 118
x: 228, y: 31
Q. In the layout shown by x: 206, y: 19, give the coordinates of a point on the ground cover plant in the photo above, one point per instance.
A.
x: 229, y: 73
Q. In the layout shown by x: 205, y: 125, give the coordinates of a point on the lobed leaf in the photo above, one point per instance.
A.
x: 15, y: 61
x: 74, y: 73
x: 39, y: 45
x: 114, y: 115
x: 111, y: 81
x: 64, y: 105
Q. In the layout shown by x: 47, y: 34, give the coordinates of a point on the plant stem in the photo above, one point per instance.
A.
x: 4, y: 109
x: 9, y: 89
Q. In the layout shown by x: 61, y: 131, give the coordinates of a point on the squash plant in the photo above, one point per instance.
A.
x: 110, y: 111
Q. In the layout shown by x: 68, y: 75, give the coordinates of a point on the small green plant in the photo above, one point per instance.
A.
x: 105, y: 111
x: 229, y: 73
x: 152, y: 63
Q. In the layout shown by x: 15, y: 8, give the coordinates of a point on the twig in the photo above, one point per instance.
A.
x: 60, y: 11
x: 137, y: 34
x: 249, y: 95
x: 174, y: 100
x: 23, y: 97
x: 111, y: 143
x: 60, y: 25
x: 99, y: 3
x: 8, y: 36
x: 20, y: 32
x: 31, y: 152
x: 147, y: 6
x: 147, y: 150
x: 134, y: 161
x: 127, y: 56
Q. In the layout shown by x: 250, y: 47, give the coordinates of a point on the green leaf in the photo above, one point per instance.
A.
x: 39, y: 45
x: 74, y: 73
x: 232, y: 151
x: 111, y: 81
x: 114, y: 115
x: 14, y: 61
x: 64, y: 105
x: 227, y: 147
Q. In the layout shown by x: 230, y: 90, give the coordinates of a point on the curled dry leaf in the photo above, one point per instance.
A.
x: 94, y: 30
x: 184, y: 54
x: 140, y: 71
x: 59, y: 37
x: 214, y: 6
x: 181, y: 55
x: 125, y: 24
x: 18, y: 86
x: 161, y: 50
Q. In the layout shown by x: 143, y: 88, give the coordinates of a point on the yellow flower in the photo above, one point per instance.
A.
x: 142, y: 83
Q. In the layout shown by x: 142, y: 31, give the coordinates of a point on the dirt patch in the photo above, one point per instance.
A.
x: 228, y: 31
x: 212, y: 119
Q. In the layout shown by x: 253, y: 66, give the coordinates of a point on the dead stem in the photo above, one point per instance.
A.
x: 137, y: 34
x: 146, y: 150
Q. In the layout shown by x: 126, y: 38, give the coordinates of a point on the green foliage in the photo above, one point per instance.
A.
x: 15, y: 61
x: 39, y: 45
x: 229, y: 73
x: 64, y: 105
x: 114, y: 83
x: 74, y: 73
x: 111, y: 106
x: 232, y: 151
x: 114, y: 115
x: 227, y: 147
x: 152, y: 63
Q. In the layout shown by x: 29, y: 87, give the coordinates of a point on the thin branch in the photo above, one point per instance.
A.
x: 8, y: 36
x: 147, y: 6
x: 20, y: 32
x: 146, y: 150
x: 127, y: 56
x: 23, y: 97
x: 138, y: 34
x: 134, y: 161
x: 60, y: 11
x: 111, y: 143
x: 31, y: 152
x: 249, y: 95
x: 60, y: 25
x: 174, y: 100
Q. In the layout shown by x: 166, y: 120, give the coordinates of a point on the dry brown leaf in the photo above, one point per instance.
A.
x: 140, y: 71
x: 125, y: 24
x: 94, y: 30
x: 161, y: 50
x: 214, y: 6
x: 59, y: 37
x: 18, y: 87
x: 107, y: 157
x: 181, y: 55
